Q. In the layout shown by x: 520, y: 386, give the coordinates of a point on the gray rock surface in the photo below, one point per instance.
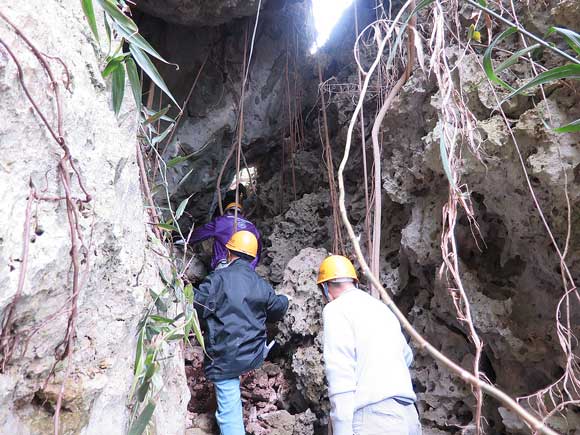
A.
x: 199, y: 12
x: 121, y: 266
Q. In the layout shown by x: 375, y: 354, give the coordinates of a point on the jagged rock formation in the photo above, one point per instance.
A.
x: 121, y: 267
x: 511, y: 278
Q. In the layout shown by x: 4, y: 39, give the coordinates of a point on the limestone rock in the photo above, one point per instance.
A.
x: 113, y: 293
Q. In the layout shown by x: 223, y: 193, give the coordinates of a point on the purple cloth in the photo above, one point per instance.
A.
x: 221, y: 229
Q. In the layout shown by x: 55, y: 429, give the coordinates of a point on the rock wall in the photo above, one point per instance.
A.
x: 120, y: 265
x: 512, y: 276
x: 513, y: 279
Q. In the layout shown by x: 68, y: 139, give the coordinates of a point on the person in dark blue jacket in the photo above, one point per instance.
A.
x: 234, y: 304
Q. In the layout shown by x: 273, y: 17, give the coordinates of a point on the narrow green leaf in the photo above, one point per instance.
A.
x: 145, y: 63
x: 181, y: 208
x: 488, y: 63
x: 143, y: 390
x: 138, y: 352
x: 139, y: 41
x: 151, y: 368
x: 116, y: 14
x: 176, y: 161
x: 197, y: 330
x: 158, y: 300
x: 572, y: 38
x: 513, y: 59
x: 157, y: 115
x: 188, y: 293
x: 134, y: 81
x: 573, y: 127
x: 167, y: 227
x: 118, y: 88
x: 161, y: 319
x: 159, y: 138
x: 570, y: 71
x: 89, y: 11
x: 139, y: 426
x: 112, y: 65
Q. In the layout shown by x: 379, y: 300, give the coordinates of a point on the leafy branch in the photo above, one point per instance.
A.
x: 567, y: 71
x: 120, y: 64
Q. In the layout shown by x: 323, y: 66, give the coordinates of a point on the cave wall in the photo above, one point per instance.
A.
x: 513, y: 279
x: 512, y: 276
x: 121, y: 266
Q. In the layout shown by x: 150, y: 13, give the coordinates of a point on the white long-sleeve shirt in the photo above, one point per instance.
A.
x: 366, y: 355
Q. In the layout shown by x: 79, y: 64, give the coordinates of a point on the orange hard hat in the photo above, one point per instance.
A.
x: 335, y: 267
x: 244, y: 242
x: 233, y: 205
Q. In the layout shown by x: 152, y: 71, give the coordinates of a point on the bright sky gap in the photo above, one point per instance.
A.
x: 326, y: 14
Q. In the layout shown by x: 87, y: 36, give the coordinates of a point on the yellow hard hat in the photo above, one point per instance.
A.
x: 335, y: 267
x: 233, y: 205
x: 244, y: 242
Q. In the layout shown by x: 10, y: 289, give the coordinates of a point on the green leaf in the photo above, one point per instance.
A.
x: 139, y: 351
x: 163, y: 135
x: 197, y: 330
x: 134, y: 81
x: 161, y: 319
x: 157, y: 115
x: 145, y: 63
x: 175, y: 337
x: 188, y: 293
x: 572, y: 38
x: 181, y: 208
x: 112, y: 65
x: 139, y: 426
x: 118, y: 16
x: 573, y: 127
x: 89, y: 11
x: 570, y: 71
x: 488, y: 63
x: 513, y: 59
x: 143, y: 390
x: 138, y: 40
x: 176, y: 161
x: 158, y: 301
x: 166, y: 227
x: 151, y: 368
x: 118, y: 88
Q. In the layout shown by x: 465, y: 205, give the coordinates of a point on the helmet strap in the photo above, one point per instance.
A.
x: 325, y: 291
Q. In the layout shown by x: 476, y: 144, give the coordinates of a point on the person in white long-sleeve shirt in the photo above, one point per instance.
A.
x: 366, y: 356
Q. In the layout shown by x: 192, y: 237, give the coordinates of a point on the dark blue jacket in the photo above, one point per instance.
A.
x: 233, y: 305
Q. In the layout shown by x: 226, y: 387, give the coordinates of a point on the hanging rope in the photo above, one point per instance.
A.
x: 238, y: 145
x: 337, y: 244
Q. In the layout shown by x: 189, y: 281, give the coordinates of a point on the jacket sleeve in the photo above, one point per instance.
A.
x: 340, y: 361
x: 204, y: 300
x: 407, y: 352
x: 276, y: 305
x: 204, y: 232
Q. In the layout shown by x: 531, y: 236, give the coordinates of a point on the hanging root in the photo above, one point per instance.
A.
x: 454, y: 123
x: 66, y: 166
